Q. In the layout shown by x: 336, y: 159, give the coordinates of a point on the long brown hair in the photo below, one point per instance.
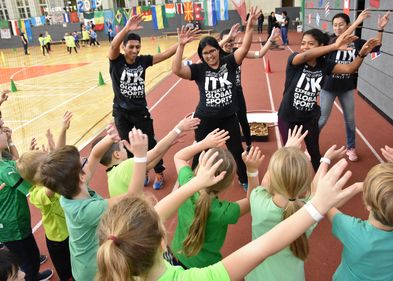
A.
x: 290, y: 175
x: 130, y: 234
x: 196, y: 234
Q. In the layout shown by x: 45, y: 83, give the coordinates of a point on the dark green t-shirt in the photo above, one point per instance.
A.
x: 14, y: 212
x: 221, y: 214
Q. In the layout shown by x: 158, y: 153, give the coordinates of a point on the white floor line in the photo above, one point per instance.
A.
x: 167, y: 93
x: 272, y: 106
x: 361, y: 135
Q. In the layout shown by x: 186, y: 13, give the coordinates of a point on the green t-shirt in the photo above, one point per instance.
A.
x: 215, y: 272
x: 53, y: 218
x: 221, y: 214
x: 119, y: 177
x: 70, y: 41
x: 47, y: 39
x: 14, y: 210
x: 41, y: 40
x: 367, y: 251
x: 83, y: 216
x: 85, y: 35
x: 283, y: 265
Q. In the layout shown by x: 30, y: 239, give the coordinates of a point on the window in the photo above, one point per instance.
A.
x: 23, y: 9
x: 3, y: 11
x: 43, y: 4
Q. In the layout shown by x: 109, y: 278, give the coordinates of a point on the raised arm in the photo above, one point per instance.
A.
x: 63, y: 132
x: 382, y: 22
x: 253, y: 160
x: 264, y: 48
x: 133, y: 24
x: 231, y: 35
x: 241, y: 52
x: 4, y: 96
x: 185, y: 36
x: 213, y: 139
x: 361, y: 17
x: 165, y: 55
x: 387, y: 152
x: 11, y: 146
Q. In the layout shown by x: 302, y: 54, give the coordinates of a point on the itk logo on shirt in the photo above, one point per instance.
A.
x: 344, y: 57
x: 132, y: 84
x: 307, y: 89
x: 218, y: 88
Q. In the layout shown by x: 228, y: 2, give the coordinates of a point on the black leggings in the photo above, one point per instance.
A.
x: 242, y: 116
x: 126, y: 120
x: 60, y: 255
x: 69, y: 49
x: 311, y: 140
x: 28, y: 256
x: 45, y: 48
x: 234, y: 144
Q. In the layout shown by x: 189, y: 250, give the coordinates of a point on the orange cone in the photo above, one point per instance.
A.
x: 267, y: 68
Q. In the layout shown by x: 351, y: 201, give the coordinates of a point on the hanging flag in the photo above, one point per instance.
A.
x: 199, y: 12
x: 15, y: 28
x: 188, y: 11
x: 5, y: 33
x: 240, y: 6
x: 324, y: 25
x: 375, y: 55
x: 346, y: 7
x: 108, y: 16
x: 170, y: 10
x: 127, y: 12
x: 74, y: 17
x: 4, y: 24
x: 317, y: 19
x: 327, y: 8
x: 99, y: 20
x: 210, y: 13
x: 320, y: 3
x: 28, y: 31
x: 136, y: 10
x: 22, y: 26
x: 66, y: 17
x: 157, y: 15
x: 222, y: 9
x: 179, y: 8
x: 119, y: 18
x: 374, y: 3
x: 337, y: 4
x: 309, y: 18
x: 146, y: 12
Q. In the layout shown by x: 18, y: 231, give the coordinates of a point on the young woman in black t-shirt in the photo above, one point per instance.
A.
x: 216, y: 80
x: 304, y: 74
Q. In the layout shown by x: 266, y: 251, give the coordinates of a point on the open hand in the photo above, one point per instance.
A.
x: 188, y: 124
x: 387, y: 152
x: 344, y: 40
x: 137, y: 143
x: 253, y: 159
x: 67, y: 120
x: 216, y: 138
x: 295, y: 137
x: 383, y: 21
x: 234, y: 31
x: 332, y: 153
x: 111, y: 130
x: 363, y: 15
x: 206, y: 174
x: 254, y: 14
x: 186, y: 35
x: 369, y: 46
x: 134, y: 23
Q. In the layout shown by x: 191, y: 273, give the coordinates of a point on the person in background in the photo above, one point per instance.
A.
x: 261, y: 19
x: 271, y: 23
x: 284, y: 24
x: 25, y: 42
x: 109, y: 28
x: 47, y: 41
x: 43, y: 46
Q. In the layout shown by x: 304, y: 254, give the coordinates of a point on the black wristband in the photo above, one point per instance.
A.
x: 380, y: 30
x: 362, y: 56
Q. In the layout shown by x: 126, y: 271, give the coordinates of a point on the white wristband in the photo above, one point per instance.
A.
x: 256, y: 54
x: 140, y: 159
x: 177, y: 130
x: 313, y: 212
x: 252, y: 175
x: 325, y: 160
x: 11, y: 144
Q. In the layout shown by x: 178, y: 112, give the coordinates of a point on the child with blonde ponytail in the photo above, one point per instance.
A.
x: 203, y: 219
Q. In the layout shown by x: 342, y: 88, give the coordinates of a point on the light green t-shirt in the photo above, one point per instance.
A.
x: 70, y: 41
x: 367, y: 251
x: 216, y: 272
x: 53, y: 218
x: 85, y: 35
x: 41, y: 40
x: 47, y: 39
x: 119, y: 177
x: 283, y: 265
x: 14, y: 210
x: 221, y: 214
x: 83, y: 216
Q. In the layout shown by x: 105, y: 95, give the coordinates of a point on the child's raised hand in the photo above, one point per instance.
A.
x: 387, y: 152
x: 4, y: 95
x: 111, y: 131
x: 295, y: 137
x: 369, y: 46
x: 67, y: 120
x: 363, y: 15
x: 188, y: 124
x: 206, y: 174
x: 343, y: 41
x: 234, y: 31
x: 330, y: 190
x: 137, y: 143
x: 332, y: 153
x: 216, y: 138
x: 383, y: 21
x: 34, y: 144
x: 253, y: 159
x: 51, y: 141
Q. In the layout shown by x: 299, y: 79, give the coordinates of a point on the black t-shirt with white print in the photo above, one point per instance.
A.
x: 340, y: 83
x: 128, y: 82
x: 217, y: 87
x: 302, y: 87
x: 239, y: 89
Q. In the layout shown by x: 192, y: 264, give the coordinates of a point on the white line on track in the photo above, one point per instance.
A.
x: 361, y: 135
x: 167, y: 93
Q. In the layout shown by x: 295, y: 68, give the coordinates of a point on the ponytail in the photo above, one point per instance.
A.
x: 196, y: 235
x: 299, y: 247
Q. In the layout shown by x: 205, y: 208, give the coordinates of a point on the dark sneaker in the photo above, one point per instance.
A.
x: 147, y: 179
x: 43, y: 259
x: 158, y: 181
x: 45, y: 275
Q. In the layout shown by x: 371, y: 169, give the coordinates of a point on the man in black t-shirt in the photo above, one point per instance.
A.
x: 128, y: 81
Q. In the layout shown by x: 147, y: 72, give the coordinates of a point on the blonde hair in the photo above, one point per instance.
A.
x: 290, y: 175
x: 193, y: 243
x: 378, y: 192
x: 29, y: 163
x: 130, y: 234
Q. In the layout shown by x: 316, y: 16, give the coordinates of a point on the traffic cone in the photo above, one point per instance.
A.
x: 267, y: 68
x: 158, y: 49
x: 101, y: 81
x: 13, y: 86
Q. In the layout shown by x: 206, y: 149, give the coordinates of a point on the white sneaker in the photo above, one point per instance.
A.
x: 352, y: 156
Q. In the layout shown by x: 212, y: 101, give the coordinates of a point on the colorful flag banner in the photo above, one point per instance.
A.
x: 188, y: 11
x: 15, y: 28
x: 346, y: 6
x: 327, y: 8
x: 4, y: 24
x: 21, y: 25
x: 146, y: 12
x: 137, y: 10
x: 210, y: 13
x: 38, y: 21
x: 240, y: 6
x: 317, y: 18
x: 108, y: 16
x: 127, y: 12
x: 179, y: 8
x: 199, y: 12
x: 5, y: 33
x: 320, y: 3
x: 66, y: 17
x: 119, y: 18
x: 74, y: 17
x: 28, y: 31
x: 324, y: 25
x: 222, y: 10
x: 374, y: 3
x: 170, y: 10
x: 309, y: 18
x: 99, y: 20
x: 158, y: 15
x: 375, y: 55
x: 337, y: 4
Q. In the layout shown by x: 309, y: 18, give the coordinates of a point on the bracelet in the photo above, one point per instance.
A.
x: 272, y: 41
x: 313, y: 212
x: 380, y: 30
x: 140, y: 159
x: 325, y: 160
x: 362, y: 56
x: 252, y: 175
x: 256, y: 54
x: 177, y: 130
x: 11, y: 144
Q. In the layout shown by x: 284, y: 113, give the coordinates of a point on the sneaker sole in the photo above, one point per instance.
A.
x: 47, y: 278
